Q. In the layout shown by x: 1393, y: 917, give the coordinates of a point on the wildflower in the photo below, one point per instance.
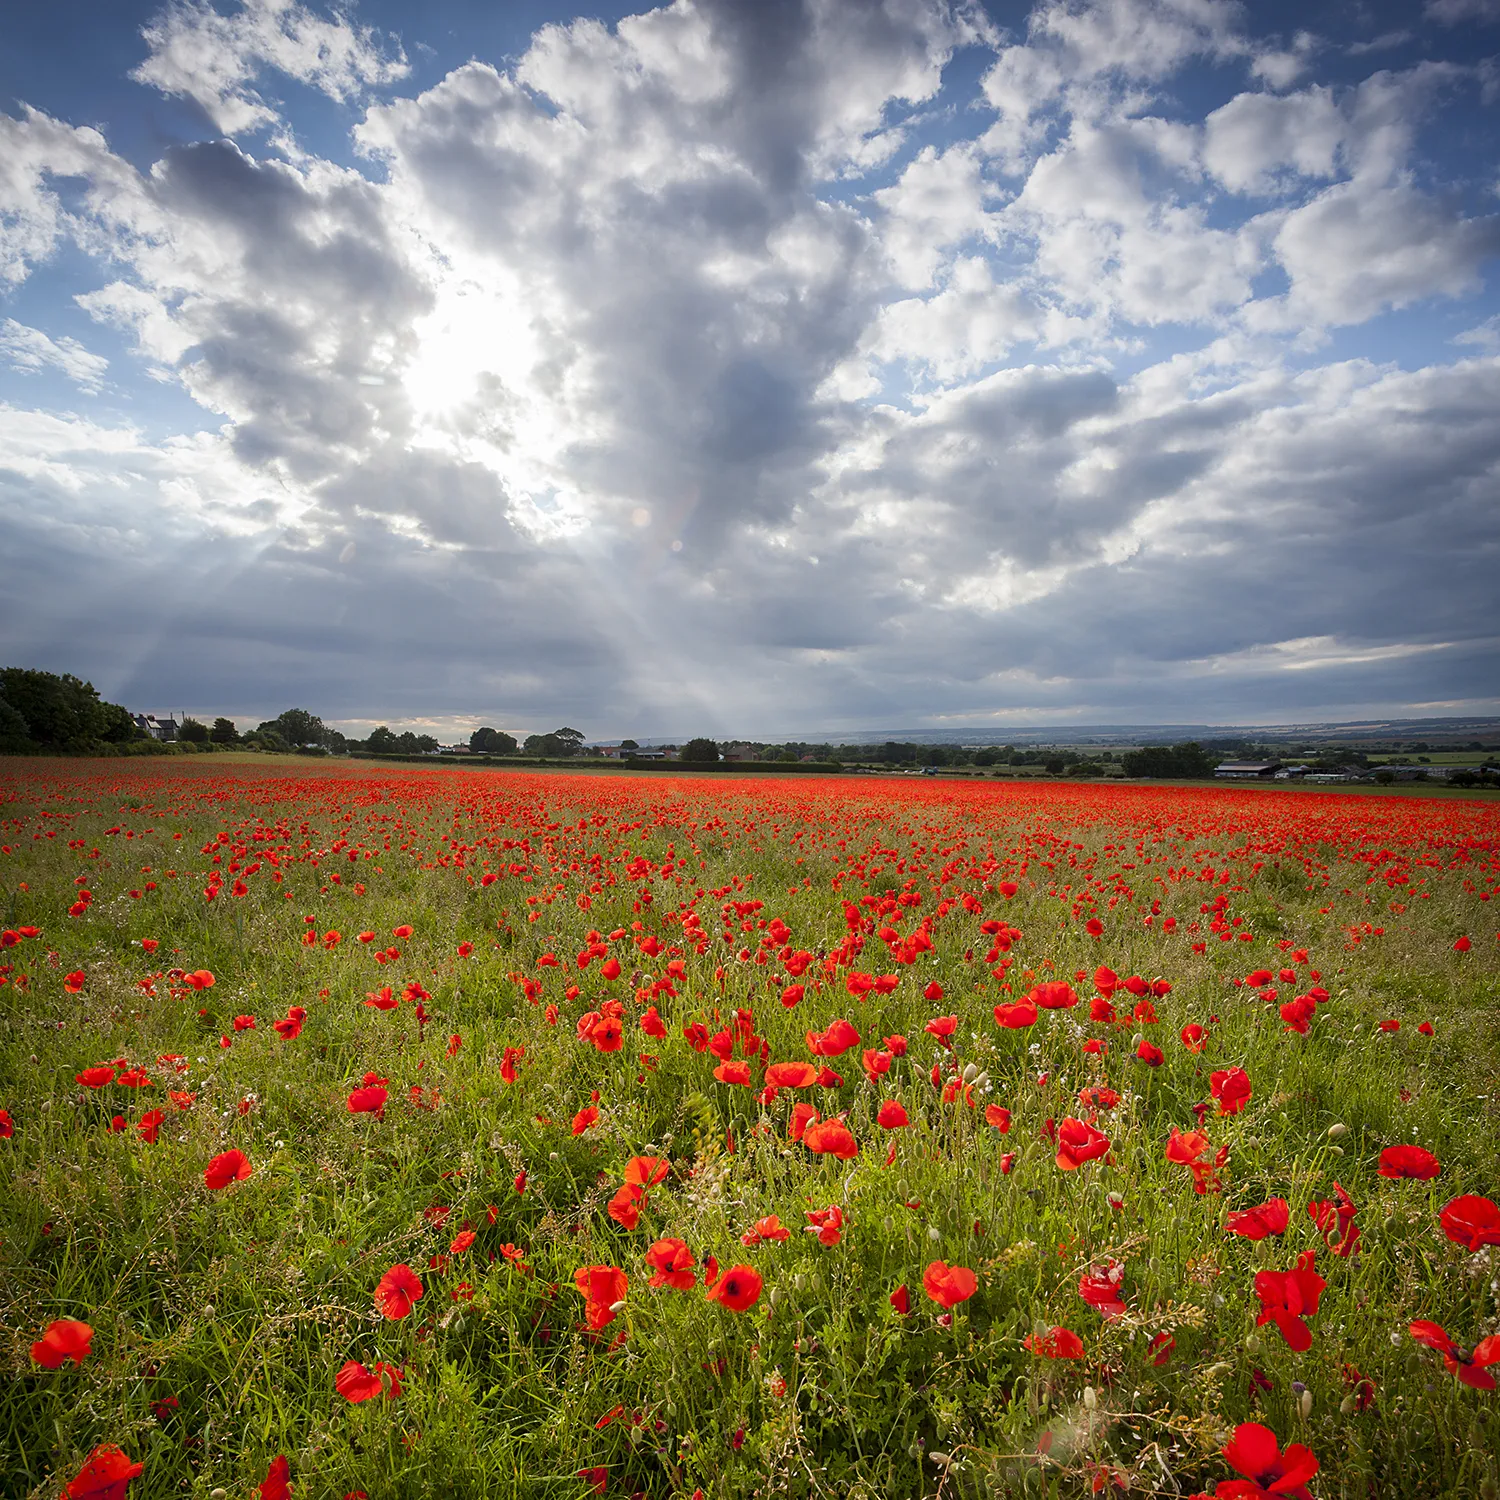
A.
x: 892, y: 1115
x: 1409, y: 1161
x: 900, y: 1299
x: 827, y: 1224
x: 769, y: 1228
x: 1231, y: 1088
x: 738, y: 1289
x: 1335, y: 1222
x: 355, y: 1383
x: 671, y: 1265
x: 1056, y: 1343
x: 948, y: 1285
x: 367, y: 1101
x: 602, y: 1289
x: 1270, y: 1218
x: 1470, y: 1366
x: 1101, y: 1289
x: 105, y: 1475
x: 998, y: 1116
x: 396, y: 1291
x: 64, y: 1339
x: 1078, y: 1143
x: 226, y: 1167
x: 1286, y: 1297
x: 1471, y: 1221
x: 830, y: 1138
x: 275, y: 1485
x: 1255, y: 1452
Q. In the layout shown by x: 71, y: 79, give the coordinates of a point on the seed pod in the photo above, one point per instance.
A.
x: 1335, y: 1131
x: 1090, y: 1400
x: 1305, y: 1404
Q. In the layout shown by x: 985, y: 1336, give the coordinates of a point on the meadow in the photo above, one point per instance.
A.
x: 388, y: 1133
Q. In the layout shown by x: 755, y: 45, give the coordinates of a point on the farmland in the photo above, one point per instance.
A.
x: 408, y: 1132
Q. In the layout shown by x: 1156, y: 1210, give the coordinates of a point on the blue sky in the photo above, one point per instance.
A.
x: 754, y: 368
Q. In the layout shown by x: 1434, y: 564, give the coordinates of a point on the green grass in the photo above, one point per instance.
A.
x: 243, y: 1304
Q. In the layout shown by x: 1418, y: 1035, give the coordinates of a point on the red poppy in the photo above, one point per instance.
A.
x: 1016, y: 1017
x: 1462, y: 945
x: 7, y: 1125
x: 830, y: 1138
x: 1056, y: 1343
x: 1471, y: 1221
x: 368, y: 1101
x: 355, y: 1383
x: 1101, y: 1289
x: 769, y: 1228
x: 403, y: 931
x: 75, y: 981
x: 1194, y: 1038
x: 105, y: 1475
x: 671, y: 1265
x: 95, y: 1077
x: 244, y: 1023
x: 1270, y: 1218
x: 1255, y: 1452
x: 1286, y: 1297
x: 646, y: 1171
x: 1470, y: 1366
x: 64, y: 1339
x: 149, y: 1125
x: 1150, y: 1054
x: 1335, y: 1222
x: 1161, y: 1348
x: 998, y: 1116
x: 1409, y: 1161
x: 833, y: 1042
x: 738, y: 1288
x: 733, y: 1072
x: 1054, y: 995
x: 901, y: 1300
x: 625, y: 1207
x: 1078, y: 1143
x: 892, y: 1115
x: 585, y: 1117
x: 461, y: 1241
x: 226, y: 1167
x: 1231, y: 1088
x: 275, y: 1485
x: 791, y: 1075
x: 396, y: 1291
x: 949, y: 1285
x: 1094, y: 927
x: 603, y: 1288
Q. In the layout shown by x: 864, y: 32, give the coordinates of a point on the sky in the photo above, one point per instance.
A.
x: 753, y: 367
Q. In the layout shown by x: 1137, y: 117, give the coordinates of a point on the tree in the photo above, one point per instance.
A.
x: 193, y: 732
x: 224, y: 732
x: 543, y: 745
x: 629, y: 745
x: 298, y: 727
x: 489, y: 741
x: 119, y: 727
x: 13, y: 736
x: 1182, y: 761
x: 700, y: 751
x: 61, y: 713
x: 381, y: 741
x: 570, y: 740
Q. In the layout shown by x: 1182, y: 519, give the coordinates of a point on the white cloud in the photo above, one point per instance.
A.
x: 32, y: 351
x: 1249, y: 141
x: 214, y: 59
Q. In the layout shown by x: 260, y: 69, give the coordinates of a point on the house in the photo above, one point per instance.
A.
x: 738, y: 752
x: 156, y: 729
x: 1244, y: 770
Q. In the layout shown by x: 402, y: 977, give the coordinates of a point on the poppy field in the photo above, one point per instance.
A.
x: 378, y: 1133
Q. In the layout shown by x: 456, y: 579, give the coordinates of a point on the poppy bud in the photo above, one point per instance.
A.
x: 1090, y: 1400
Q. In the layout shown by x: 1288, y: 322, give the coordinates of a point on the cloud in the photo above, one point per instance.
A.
x: 31, y: 351
x: 213, y: 59
x: 706, y: 372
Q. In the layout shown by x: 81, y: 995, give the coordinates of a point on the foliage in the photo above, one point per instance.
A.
x: 58, y: 713
x: 699, y: 750
x: 489, y: 741
x: 224, y: 732
x: 296, y: 726
x: 193, y: 732
x: 1182, y: 761
x: 564, y: 975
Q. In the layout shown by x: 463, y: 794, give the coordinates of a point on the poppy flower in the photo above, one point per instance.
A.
x: 64, y: 1339
x: 625, y: 1207
x: 7, y: 1125
x: 1101, y: 1289
x: 74, y: 982
x: 396, y: 1291
x: 1056, y: 1343
x: 226, y: 1167
x: 1078, y: 1143
x: 671, y: 1265
x: 830, y: 1138
x: 368, y: 1101
x: 1286, y: 1297
x: 733, y: 1072
x: 892, y: 1115
x: 769, y: 1228
x: 95, y: 1077
x: 105, y: 1475
x: 738, y: 1288
x: 289, y: 1028
x: 941, y: 1027
x: 833, y: 1042
x: 1462, y: 945
x: 646, y: 1171
x: 1150, y: 1054
x: 149, y: 1125
x: 1194, y: 1038
x: 585, y: 1117
x: 276, y: 1486
x: 1270, y: 1218
x: 1470, y: 1366
x: 1016, y: 1017
x: 1409, y: 1161
x: 827, y: 1224
x: 602, y: 1288
x: 355, y: 1383
x: 901, y: 1300
x: 1335, y: 1222
x: 949, y: 1285
x: 1161, y: 1348
x: 1255, y: 1452
x: 1471, y: 1221
x: 1231, y: 1088
x: 1054, y: 995
x: 998, y: 1116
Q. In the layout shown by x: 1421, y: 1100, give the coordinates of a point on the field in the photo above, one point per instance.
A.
x: 427, y: 1133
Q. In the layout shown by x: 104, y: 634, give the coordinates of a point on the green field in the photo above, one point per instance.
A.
x: 481, y: 1000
